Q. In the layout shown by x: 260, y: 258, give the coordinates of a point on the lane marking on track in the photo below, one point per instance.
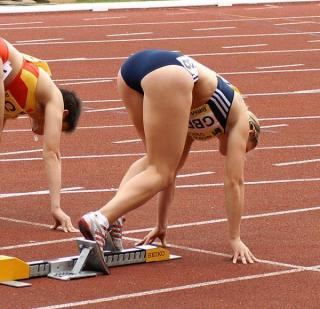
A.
x: 110, y: 109
x: 142, y: 153
x: 209, y: 252
x: 43, y: 40
x: 251, y: 19
x: 244, y: 46
x: 195, y: 174
x: 172, y: 289
x: 296, y: 23
x: 215, y: 28
x: 247, y: 217
x: 143, y: 230
x: 86, y: 82
x: 129, y: 34
x: 41, y: 192
x: 296, y: 162
x: 180, y: 38
x: 101, y: 101
x: 23, y: 23
x: 281, y: 66
x: 102, y: 18
x: 190, y: 186
x: 264, y: 7
x: 39, y: 243
x: 193, y: 55
x: 20, y: 152
x: 274, y: 126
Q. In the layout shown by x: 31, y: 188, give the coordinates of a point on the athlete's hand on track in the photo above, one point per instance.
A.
x: 153, y: 235
x: 241, y: 251
x: 63, y: 221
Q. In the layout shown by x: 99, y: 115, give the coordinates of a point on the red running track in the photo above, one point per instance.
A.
x: 271, y: 52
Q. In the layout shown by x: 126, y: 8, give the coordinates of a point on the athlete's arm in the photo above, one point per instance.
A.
x: 234, y: 187
x: 51, y: 99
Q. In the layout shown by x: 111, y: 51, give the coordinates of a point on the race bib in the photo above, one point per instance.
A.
x: 189, y: 65
x: 203, y: 124
x: 7, y: 68
x: 11, y: 108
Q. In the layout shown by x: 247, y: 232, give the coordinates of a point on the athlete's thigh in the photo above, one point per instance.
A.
x: 166, y: 109
x: 133, y: 102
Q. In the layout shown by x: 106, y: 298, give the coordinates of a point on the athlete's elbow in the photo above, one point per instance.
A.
x: 50, y: 154
x: 233, y: 181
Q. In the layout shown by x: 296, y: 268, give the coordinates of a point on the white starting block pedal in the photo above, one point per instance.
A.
x: 90, y: 263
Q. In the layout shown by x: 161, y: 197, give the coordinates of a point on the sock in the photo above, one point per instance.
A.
x: 101, y: 219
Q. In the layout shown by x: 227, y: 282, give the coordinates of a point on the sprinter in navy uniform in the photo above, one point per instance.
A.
x: 173, y: 100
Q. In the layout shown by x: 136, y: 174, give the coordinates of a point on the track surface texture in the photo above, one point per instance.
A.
x: 271, y: 53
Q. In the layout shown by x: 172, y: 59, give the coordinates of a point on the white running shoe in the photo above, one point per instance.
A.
x: 115, y: 231
x: 91, y: 229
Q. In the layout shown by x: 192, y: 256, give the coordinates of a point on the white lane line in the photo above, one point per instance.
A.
x: 142, y: 230
x: 290, y: 118
x: 311, y: 91
x: 129, y: 34
x: 313, y: 41
x: 105, y: 109
x: 153, y: 23
x: 281, y: 66
x: 142, y: 153
x: 296, y: 162
x: 35, y: 244
x: 195, y: 174
x: 101, y: 18
x: 128, y: 141
x: 42, y: 192
x: 197, y: 250
x: 264, y: 7
x: 171, y: 289
x: 190, y: 186
x: 86, y: 82
x: 274, y: 126
x: 215, y: 28
x: 181, y: 38
x: 262, y: 182
x: 24, y: 23
x: 20, y: 152
x: 43, y: 40
x: 101, y: 101
x: 296, y: 23
x: 247, y: 217
x: 244, y: 46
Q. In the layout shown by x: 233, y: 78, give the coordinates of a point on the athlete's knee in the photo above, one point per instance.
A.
x: 164, y: 176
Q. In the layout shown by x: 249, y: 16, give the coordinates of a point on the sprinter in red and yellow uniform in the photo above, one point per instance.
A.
x: 27, y: 88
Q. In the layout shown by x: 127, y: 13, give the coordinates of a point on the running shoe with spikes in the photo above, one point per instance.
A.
x: 115, y: 232
x: 92, y: 229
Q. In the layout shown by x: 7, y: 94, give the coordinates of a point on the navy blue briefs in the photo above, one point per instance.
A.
x: 137, y: 66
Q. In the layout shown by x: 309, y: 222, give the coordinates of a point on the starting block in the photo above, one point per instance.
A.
x: 91, y: 262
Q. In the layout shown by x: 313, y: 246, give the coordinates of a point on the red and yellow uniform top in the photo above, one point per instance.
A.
x: 20, y: 93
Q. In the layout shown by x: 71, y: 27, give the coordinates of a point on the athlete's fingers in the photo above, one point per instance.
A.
x: 164, y: 241
x: 235, y: 258
x: 249, y: 257
x: 141, y: 242
x: 243, y: 258
x: 55, y: 226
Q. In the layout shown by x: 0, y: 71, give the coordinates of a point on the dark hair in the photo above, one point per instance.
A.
x: 73, y: 104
